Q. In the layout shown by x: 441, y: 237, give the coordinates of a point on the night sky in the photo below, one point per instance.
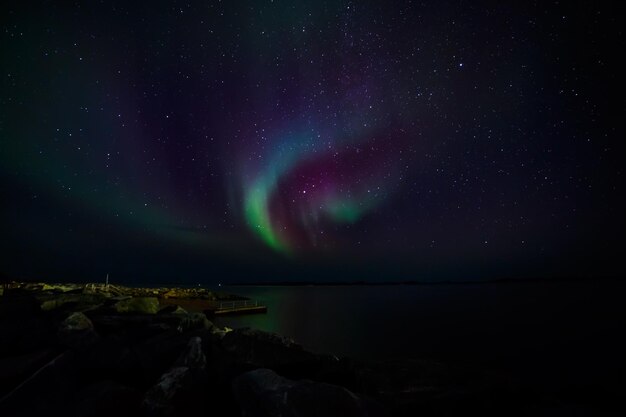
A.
x: 321, y: 141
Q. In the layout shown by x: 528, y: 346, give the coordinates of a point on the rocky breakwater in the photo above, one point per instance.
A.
x: 41, y: 289
x: 80, y: 352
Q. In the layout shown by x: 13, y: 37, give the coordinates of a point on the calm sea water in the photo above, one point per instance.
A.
x: 567, y: 330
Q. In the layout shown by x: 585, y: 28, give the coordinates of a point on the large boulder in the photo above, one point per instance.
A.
x: 111, y: 358
x: 173, y: 393
x: 172, y: 309
x: 245, y: 349
x: 61, y: 287
x: 142, y: 326
x: 77, y: 331
x: 194, y: 321
x: 263, y: 349
x: 160, y: 399
x: 138, y: 305
x: 156, y: 354
x: 75, y: 302
x: 129, y: 326
x: 173, y: 293
x: 263, y: 393
x: 192, y: 357
x: 220, y: 332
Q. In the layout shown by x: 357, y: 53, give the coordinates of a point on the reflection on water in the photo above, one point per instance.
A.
x: 522, y: 325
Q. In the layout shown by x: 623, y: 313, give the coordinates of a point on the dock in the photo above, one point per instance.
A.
x: 220, y: 308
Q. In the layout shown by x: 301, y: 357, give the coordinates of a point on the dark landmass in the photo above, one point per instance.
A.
x: 417, y: 282
x: 92, y: 350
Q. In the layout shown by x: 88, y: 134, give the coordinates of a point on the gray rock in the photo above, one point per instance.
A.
x: 77, y: 331
x: 172, y: 309
x: 192, y: 357
x: 155, y: 355
x: 194, y: 321
x: 171, y: 394
x: 264, y: 350
x: 139, y: 305
x: 159, y: 400
x: 263, y: 393
x: 61, y: 287
x: 76, y: 321
x: 77, y: 302
x: 111, y: 358
x: 220, y: 333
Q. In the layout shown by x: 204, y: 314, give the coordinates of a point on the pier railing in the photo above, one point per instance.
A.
x: 236, y: 304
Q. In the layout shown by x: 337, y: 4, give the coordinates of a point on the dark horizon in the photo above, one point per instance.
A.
x: 315, y: 142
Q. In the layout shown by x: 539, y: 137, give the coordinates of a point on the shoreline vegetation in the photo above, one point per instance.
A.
x: 98, y: 350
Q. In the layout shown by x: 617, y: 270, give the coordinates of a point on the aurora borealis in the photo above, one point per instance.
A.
x: 270, y: 140
x: 310, y: 179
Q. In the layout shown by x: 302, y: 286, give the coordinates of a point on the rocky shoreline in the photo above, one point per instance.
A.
x: 43, y: 290
x: 89, y: 350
